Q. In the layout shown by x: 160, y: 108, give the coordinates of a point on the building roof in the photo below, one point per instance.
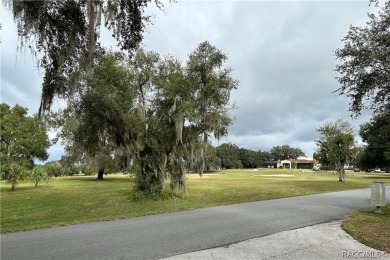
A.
x: 305, y: 161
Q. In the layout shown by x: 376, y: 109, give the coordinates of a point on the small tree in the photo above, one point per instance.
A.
x: 336, y: 144
x: 54, y: 168
x: 37, y: 176
x: 13, y: 174
x: 23, y: 138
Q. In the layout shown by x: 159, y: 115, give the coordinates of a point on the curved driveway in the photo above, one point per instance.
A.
x: 159, y: 236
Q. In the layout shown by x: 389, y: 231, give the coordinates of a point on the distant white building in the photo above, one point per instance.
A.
x: 302, y: 162
x: 285, y: 163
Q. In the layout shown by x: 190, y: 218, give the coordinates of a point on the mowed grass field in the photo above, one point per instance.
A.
x: 82, y: 199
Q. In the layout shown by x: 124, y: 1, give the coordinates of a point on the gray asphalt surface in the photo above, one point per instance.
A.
x: 164, y: 235
x: 326, y: 241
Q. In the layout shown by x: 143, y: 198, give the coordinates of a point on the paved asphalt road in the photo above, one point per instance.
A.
x: 159, y: 236
x: 326, y: 241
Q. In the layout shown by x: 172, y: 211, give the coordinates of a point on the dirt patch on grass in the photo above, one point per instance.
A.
x: 274, y: 175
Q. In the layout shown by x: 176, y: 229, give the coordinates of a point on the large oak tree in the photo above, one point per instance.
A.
x: 157, y: 111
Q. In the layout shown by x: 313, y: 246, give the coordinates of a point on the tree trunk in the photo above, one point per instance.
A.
x: 341, y: 171
x: 13, y: 184
x: 100, y: 173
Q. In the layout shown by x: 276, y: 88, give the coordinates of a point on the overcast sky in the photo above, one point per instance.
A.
x: 280, y: 51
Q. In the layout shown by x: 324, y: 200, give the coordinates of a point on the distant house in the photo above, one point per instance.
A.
x: 303, y: 162
x: 286, y: 164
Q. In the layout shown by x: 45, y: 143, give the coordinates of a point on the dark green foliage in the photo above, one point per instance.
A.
x: 376, y: 134
x: 230, y: 156
x: 23, y: 138
x: 70, y: 166
x: 336, y: 145
x: 210, y: 84
x: 321, y: 155
x: 364, y: 71
x: 212, y: 161
x: 250, y: 159
x: 285, y: 152
x: 153, y: 115
x: 103, y: 107
x: 71, y: 170
x: 233, y: 157
x: 141, y: 196
x: 65, y: 168
x: 54, y: 169
x: 88, y: 171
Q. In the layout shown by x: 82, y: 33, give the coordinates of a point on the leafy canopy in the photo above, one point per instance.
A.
x: 364, y: 68
x: 285, y: 152
x: 376, y: 134
x: 155, y: 113
x: 336, y: 144
x: 23, y: 138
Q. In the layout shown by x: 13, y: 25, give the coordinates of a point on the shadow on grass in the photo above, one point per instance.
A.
x: 207, y: 172
x: 23, y: 188
x: 376, y: 177
x: 106, y: 178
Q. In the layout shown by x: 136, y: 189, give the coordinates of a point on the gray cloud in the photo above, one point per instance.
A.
x: 20, y: 79
x: 281, y: 53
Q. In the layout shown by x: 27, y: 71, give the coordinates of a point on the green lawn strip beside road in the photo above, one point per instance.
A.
x: 370, y: 228
x: 82, y: 199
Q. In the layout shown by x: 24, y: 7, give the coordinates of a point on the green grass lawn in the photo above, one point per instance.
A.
x: 370, y: 228
x: 81, y: 199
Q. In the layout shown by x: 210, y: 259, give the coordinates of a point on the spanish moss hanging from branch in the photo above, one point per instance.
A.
x: 64, y: 35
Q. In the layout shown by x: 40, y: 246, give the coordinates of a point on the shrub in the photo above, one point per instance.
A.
x: 15, y: 174
x: 71, y: 170
x: 88, y: 171
x: 54, y: 169
x: 140, y: 196
x: 37, y: 176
